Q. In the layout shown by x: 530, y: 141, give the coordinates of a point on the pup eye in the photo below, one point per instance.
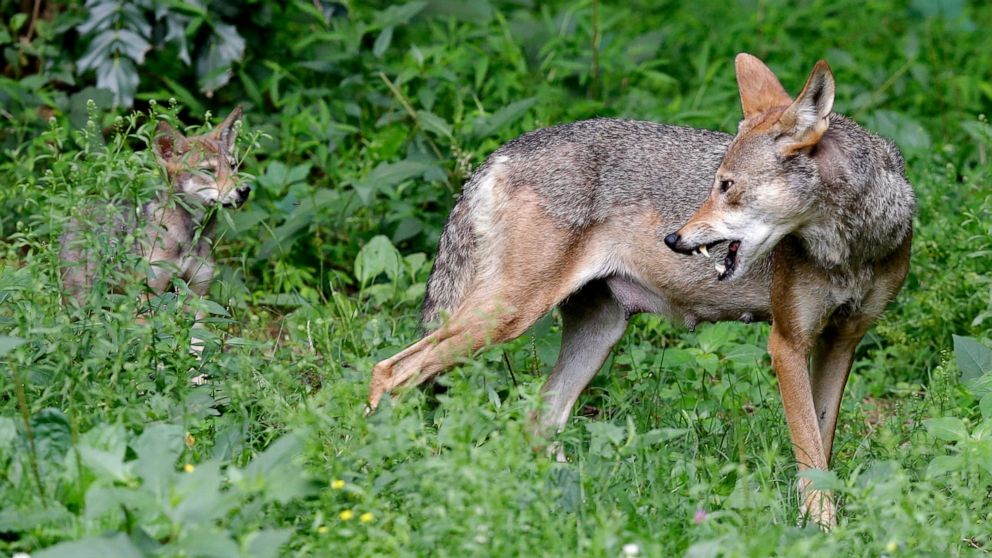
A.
x: 725, y: 185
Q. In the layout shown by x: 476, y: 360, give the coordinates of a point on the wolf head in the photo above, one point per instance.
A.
x: 765, y: 188
x: 203, y: 167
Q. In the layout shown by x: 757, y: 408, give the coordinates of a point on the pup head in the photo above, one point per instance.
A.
x: 203, y: 167
x: 766, y: 185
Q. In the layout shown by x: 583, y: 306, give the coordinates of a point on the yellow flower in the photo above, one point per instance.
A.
x: 337, y: 484
x: 189, y: 468
x: 366, y: 517
x: 346, y: 515
x: 891, y: 547
x: 322, y: 529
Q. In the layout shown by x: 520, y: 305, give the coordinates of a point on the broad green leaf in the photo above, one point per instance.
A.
x: 8, y: 433
x: 8, y: 343
x: 119, y: 75
x: 943, y: 464
x: 985, y: 406
x: 103, y: 463
x: 433, y: 123
x: 267, y: 542
x: 382, y: 42
x: 213, y: 67
x: 204, y: 541
x: 52, y: 435
x: 605, y: 435
x: 973, y: 358
x: 487, y: 126
x: 157, y: 448
x: 279, y: 454
x: 822, y: 479
x: 199, y: 495
x: 17, y: 21
x: 948, y: 429
x: 398, y: 14
x: 133, y: 45
x: 713, y: 337
x: 117, y: 546
x: 376, y: 257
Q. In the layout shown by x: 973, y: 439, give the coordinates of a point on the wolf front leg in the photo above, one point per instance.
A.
x: 789, y: 357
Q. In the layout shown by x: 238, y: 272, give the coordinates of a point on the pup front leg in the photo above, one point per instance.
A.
x: 199, y: 284
x: 789, y: 357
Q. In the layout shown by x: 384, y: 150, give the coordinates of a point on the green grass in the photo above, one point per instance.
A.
x: 679, y: 447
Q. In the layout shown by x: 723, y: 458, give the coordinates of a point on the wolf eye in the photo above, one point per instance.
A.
x: 725, y: 185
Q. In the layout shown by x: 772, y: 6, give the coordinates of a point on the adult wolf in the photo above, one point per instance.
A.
x: 808, y: 215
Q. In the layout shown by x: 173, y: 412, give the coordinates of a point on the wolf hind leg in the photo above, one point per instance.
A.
x: 480, y: 320
x: 592, y: 323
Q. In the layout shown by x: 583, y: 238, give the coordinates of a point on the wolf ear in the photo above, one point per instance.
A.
x: 168, y: 142
x: 226, y: 132
x: 760, y: 89
x: 807, y: 119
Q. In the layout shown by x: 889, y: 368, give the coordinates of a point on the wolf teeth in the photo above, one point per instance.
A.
x: 720, y: 268
x: 704, y: 251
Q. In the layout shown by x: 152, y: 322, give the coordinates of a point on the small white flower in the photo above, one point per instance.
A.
x: 20, y: 555
x: 630, y: 550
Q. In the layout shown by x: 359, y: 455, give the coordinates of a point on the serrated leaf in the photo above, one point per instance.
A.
x: 948, y: 429
x: 973, y: 358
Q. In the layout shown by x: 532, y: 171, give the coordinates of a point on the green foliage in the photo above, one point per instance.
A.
x: 362, y: 122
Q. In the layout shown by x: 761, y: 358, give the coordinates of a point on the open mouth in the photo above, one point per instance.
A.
x: 724, y: 268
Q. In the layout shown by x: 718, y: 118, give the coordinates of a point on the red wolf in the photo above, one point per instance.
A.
x: 808, y: 216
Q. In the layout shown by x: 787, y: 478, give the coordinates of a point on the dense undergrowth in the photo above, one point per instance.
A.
x: 361, y: 124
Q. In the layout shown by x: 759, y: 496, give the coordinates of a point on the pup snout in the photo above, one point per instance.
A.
x: 243, y: 194
x: 674, y: 241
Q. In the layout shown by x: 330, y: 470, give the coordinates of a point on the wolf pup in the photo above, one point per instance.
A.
x: 803, y: 218
x: 173, y: 232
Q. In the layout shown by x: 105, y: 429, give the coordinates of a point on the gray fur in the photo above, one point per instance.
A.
x: 586, y: 172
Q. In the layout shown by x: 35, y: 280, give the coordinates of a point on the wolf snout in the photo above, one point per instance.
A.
x: 674, y: 241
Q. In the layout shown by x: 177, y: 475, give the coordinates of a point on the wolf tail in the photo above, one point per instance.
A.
x: 454, y: 267
x: 457, y: 252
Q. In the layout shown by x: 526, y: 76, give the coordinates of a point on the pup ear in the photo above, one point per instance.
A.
x: 760, y: 89
x: 226, y: 132
x: 168, y: 143
x: 807, y: 119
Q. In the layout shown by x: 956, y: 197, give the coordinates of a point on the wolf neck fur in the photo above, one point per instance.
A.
x: 861, y: 214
